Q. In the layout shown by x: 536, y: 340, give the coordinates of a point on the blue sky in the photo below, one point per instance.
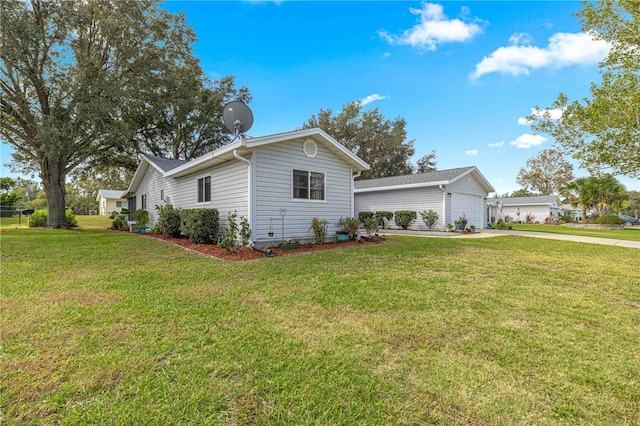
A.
x: 462, y: 74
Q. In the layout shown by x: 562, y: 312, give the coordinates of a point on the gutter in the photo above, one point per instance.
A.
x: 249, y: 187
x: 353, y: 191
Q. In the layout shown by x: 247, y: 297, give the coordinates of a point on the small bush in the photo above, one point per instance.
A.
x: 168, y: 221
x: 430, y: 218
x: 382, y: 215
x: 200, y: 225
x: 319, y: 227
x: 38, y: 219
x: 349, y: 226
x: 235, y: 237
x: 72, y: 222
x: 608, y: 220
x: 363, y: 216
x: 404, y: 218
x: 566, y: 219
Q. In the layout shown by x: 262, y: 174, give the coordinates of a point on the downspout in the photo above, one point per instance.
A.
x: 249, y: 188
x: 445, y: 220
x: 353, y: 193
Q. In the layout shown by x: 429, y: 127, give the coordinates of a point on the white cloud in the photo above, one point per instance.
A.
x: 527, y: 141
x: 371, y: 98
x: 555, y: 114
x: 434, y: 28
x: 563, y: 50
x: 471, y: 152
x: 496, y: 145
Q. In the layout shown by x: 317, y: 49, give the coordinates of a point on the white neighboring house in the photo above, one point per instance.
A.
x: 277, y: 182
x: 541, y: 208
x: 451, y: 193
x: 110, y: 200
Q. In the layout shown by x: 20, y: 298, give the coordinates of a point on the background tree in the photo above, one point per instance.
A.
x: 603, y: 132
x: 599, y: 193
x: 522, y: 192
x: 380, y: 142
x: 546, y: 172
x: 632, y: 208
x: 427, y: 163
x: 84, y: 83
x: 8, y: 197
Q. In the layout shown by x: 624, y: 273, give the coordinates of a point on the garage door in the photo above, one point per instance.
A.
x: 470, y: 206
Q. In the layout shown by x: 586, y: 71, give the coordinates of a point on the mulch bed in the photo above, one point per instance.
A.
x: 249, y: 254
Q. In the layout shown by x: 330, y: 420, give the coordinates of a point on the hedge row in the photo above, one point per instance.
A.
x: 199, y: 225
x: 403, y: 218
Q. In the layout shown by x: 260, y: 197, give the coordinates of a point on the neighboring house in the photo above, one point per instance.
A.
x: 110, y: 200
x: 278, y: 182
x: 451, y: 193
x: 540, y: 208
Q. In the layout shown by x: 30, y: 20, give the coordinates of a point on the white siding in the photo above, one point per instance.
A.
x: 150, y: 185
x: 228, y: 190
x: 273, y: 174
x: 417, y: 199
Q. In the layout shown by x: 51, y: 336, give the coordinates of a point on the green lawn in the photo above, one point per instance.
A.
x: 105, y: 327
x: 631, y: 233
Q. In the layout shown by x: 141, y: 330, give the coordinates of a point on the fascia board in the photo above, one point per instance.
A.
x: 185, y: 168
x: 407, y: 186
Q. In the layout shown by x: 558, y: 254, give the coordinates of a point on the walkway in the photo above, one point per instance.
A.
x: 485, y: 233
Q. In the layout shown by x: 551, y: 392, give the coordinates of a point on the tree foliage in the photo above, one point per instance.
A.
x: 369, y: 135
x: 603, y: 194
x: 546, y: 172
x: 603, y: 131
x: 93, y: 84
x: 426, y: 163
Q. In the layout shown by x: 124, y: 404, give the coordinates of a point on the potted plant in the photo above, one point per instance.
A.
x: 347, y: 228
x: 141, y: 216
x: 449, y: 227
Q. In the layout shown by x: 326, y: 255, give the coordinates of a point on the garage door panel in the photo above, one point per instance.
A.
x: 469, y: 205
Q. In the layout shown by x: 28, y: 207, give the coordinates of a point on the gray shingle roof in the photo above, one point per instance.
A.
x: 165, y: 164
x: 421, y: 178
x: 111, y: 193
x: 519, y: 201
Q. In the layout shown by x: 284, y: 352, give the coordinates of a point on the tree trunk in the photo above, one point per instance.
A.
x: 53, y: 181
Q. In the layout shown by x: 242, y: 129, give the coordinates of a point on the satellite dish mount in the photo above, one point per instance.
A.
x: 238, y: 118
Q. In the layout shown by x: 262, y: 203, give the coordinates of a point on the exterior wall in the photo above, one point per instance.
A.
x: 417, y: 199
x: 150, y: 185
x: 106, y: 206
x: 540, y: 213
x: 468, y: 197
x: 228, y: 190
x: 273, y: 182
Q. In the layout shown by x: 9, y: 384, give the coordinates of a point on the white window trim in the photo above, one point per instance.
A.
x: 307, y: 200
x: 203, y: 203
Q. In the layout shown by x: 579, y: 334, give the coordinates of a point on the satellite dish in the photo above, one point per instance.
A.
x: 237, y: 117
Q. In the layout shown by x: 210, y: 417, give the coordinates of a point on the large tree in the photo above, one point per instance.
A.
x: 81, y: 80
x: 603, y: 131
x: 369, y: 135
x: 603, y: 194
x: 427, y: 163
x: 546, y: 172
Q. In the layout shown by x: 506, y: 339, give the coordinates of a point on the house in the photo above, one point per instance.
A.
x: 539, y: 208
x: 451, y: 193
x: 278, y: 182
x: 110, y: 200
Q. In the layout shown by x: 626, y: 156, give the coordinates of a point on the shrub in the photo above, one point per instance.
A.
x: 429, y: 218
x: 566, y: 218
x: 362, y: 216
x: 229, y: 241
x: 319, y: 227
x: 404, y: 218
x: 168, y: 221
x: 371, y: 225
x: 608, y: 220
x: 38, y: 219
x: 200, y: 225
x: 141, y: 216
x: 381, y: 216
x: 72, y: 222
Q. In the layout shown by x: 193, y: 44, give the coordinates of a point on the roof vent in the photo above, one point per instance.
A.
x: 310, y: 148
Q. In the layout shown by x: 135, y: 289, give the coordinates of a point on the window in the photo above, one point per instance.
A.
x: 162, y: 195
x: 118, y: 204
x: 143, y: 201
x: 308, y: 185
x: 204, y: 189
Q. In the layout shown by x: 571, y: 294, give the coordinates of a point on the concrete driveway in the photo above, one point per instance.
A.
x: 485, y: 233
